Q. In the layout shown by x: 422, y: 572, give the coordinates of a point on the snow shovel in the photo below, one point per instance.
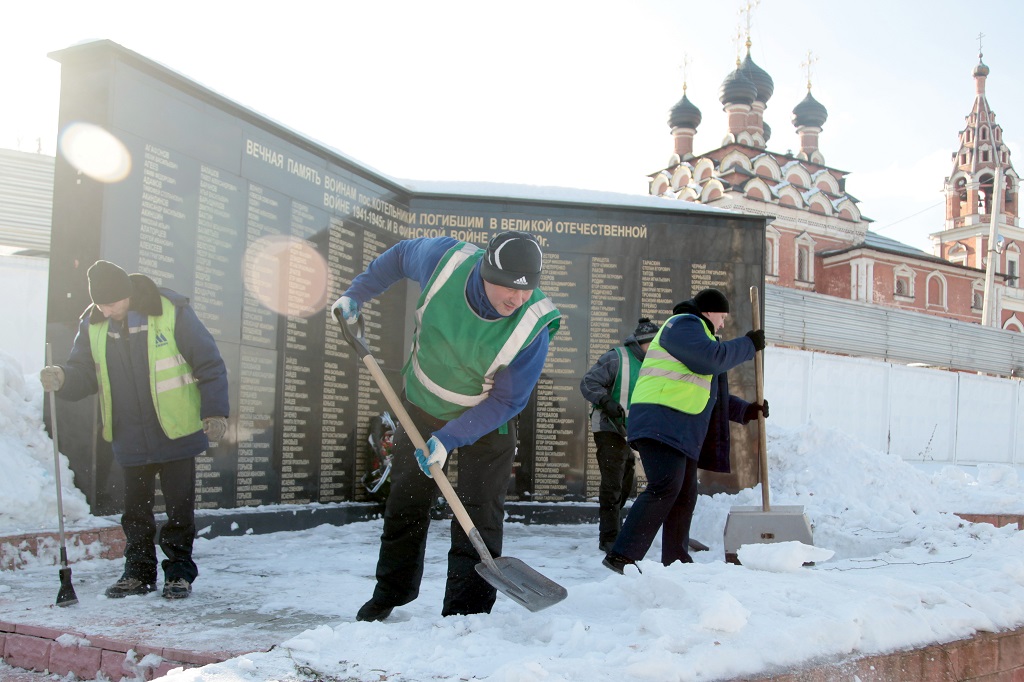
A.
x: 66, y: 595
x: 510, y: 576
x: 764, y: 524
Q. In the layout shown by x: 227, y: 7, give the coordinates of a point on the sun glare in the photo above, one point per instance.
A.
x: 287, y: 275
x: 94, y: 151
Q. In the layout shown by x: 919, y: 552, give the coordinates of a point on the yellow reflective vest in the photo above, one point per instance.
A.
x: 664, y: 380
x: 172, y: 387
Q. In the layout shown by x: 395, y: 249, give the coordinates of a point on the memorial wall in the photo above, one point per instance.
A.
x: 263, y: 229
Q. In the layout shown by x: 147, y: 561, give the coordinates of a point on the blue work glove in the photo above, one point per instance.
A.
x: 348, y: 307
x: 438, y: 455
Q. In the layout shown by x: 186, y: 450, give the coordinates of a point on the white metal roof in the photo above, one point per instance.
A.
x: 26, y: 200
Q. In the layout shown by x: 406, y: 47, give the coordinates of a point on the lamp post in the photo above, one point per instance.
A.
x: 988, y: 314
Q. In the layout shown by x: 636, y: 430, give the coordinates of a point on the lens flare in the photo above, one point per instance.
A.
x: 287, y: 275
x: 94, y: 151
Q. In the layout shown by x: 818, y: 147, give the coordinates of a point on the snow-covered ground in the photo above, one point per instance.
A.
x: 893, y: 568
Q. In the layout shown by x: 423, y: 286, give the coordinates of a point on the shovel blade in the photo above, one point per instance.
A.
x: 66, y: 595
x: 521, y: 584
x: 753, y: 525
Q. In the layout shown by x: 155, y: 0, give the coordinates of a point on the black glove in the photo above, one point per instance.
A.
x: 750, y: 414
x: 757, y: 336
x: 611, y: 408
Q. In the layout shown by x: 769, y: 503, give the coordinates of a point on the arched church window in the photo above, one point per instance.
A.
x: 936, y: 289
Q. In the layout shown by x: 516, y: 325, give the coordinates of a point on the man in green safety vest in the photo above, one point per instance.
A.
x: 608, y: 384
x: 672, y: 407
x: 163, y: 394
x: 479, y: 345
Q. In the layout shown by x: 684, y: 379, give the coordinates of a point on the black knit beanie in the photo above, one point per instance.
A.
x: 645, y: 331
x: 711, y: 301
x: 108, y: 283
x: 513, y: 260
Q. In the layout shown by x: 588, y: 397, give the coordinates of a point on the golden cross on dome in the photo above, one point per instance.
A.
x: 807, y: 64
x: 980, y: 36
x: 747, y: 10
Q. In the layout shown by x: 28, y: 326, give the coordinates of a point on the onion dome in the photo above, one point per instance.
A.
x: 981, y: 69
x: 809, y: 113
x: 684, y: 114
x: 760, y: 78
x: 767, y: 131
x: 737, y: 88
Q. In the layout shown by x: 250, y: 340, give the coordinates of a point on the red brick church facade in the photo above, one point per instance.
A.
x: 819, y: 241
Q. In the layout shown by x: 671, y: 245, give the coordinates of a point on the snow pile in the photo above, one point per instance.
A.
x: 28, y: 487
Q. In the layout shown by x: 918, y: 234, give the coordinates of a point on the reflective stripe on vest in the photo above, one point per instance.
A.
x: 664, y: 380
x: 173, y: 389
x: 483, y: 347
x: 622, y: 386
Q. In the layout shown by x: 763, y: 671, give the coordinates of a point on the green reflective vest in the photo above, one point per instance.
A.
x: 448, y: 330
x: 664, y: 380
x: 622, y: 387
x: 171, y: 384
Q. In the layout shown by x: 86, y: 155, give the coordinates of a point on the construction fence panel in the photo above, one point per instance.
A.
x: 851, y: 394
x: 920, y: 414
x: 787, y: 377
x: 1018, y: 457
x: 986, y: 419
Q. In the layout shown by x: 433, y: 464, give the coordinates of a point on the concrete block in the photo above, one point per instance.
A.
x: 31, y: 653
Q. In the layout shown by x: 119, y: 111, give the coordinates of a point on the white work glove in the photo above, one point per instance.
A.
x: 215, y: 428
x: 438, y: 455
x: 348, y: 307
x: 51, y: 377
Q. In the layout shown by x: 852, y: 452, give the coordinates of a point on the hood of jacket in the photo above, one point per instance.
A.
x: 634, y: 347
x: 688, y: 307
x: 145, y: 299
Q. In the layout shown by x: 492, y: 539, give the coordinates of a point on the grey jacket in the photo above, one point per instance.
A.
x: 600, y: 378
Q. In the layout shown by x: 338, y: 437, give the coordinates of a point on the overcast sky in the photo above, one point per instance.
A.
x: 566, y: 93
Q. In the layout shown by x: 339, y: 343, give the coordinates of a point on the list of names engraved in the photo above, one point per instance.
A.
x: 256, y: 406
x: 220, y: 212
x: 658, y: 297
x: 162, y: 212
x: 339, y: 366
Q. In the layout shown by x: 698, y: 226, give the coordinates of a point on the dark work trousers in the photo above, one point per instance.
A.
x: 667, y: 503
x: 485, y: 468
x: 616, y: 463
x: 178, y: 484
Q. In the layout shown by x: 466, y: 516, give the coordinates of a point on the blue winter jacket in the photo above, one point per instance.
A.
x: 684, y: 338
x: 138, y: 437
x: 416, y: 259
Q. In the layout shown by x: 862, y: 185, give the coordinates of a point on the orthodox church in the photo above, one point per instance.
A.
x: 820, y: 242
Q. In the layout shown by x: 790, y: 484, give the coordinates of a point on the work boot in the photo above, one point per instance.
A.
x: 129, y: 587
x: 179, y: 588
x: 617, y: 563
x: 372, y: 611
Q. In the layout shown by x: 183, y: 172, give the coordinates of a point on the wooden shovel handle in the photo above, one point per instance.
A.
x: 762, y: 440
x: 358, y: 342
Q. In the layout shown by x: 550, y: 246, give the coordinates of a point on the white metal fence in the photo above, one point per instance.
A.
x: 816, y: 322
